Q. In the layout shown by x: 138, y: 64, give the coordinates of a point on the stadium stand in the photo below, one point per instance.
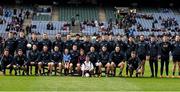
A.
x: 79, y: 13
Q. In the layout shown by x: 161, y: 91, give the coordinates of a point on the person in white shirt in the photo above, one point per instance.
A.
x: 87, y: 67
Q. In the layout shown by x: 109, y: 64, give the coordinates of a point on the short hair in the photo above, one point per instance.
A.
x: 19, y: 50
x: 77, y: 34
x: 45, y: 46
x: 133, y: 52
x: 6, y: 49
x: 141, y: 35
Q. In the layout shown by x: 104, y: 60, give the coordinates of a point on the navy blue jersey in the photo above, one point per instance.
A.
x: 20, y: 60
x: 116, y: 57
x: 10, y: 44
x: 153, y: 49
x: 22, y: 43
x: 93, y: 56
x: 142, y: 48
x: 46, y: 42
x: 122, y: 45
x: 134, y: 62
x: 35, y: 42
x: 165, y: 48
x: 112, y: 45
x: 56, y: 56
x: 59, y: 43
x: 96, y: 45
x: 104, y: 57
x: 33, y: 56
x: 68, y: 44
x: 6, y: 60
x: 104, y: 43
x: 86, y: 46
x: 74, y: 56
x: 130, y: 47
x: 45, y: 57
x: 78, y: 43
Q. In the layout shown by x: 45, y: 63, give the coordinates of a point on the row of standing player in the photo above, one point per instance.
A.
x: 153, y: 49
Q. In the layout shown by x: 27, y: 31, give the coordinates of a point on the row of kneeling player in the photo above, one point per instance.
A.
x: 21, y: 64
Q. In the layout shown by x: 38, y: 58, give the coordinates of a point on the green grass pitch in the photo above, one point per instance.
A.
x: 58, y: 83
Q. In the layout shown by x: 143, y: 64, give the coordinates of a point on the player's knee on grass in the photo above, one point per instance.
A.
x: 15, y: 67
x: 100, y: 64
x: 52, y: 63
x: 40, y: 63
x: 108, y: 65
x: 8, y: 66
x: 59, y: 64
x: 121, y: 64
x: 78, y: 65
x: 70, y: 65
x: 32, y: 63
x: 139, y: 71
x: 113, y: 65
x: 49, y: 64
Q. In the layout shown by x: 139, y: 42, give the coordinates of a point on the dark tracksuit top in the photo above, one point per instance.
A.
x: 56, y: 56
x: 122, y: 45
x: 21, y: 44
x: 46, y: 42
x: 130, y: 47
x: 59, y: 43
x: 34, y: 56
x: 74, y: 57
x: 93, y: 56
x: 77, y: 43
x: 6, y: 60
x: 134, y: 63
x: 68, y: 44
x: 142, y: 49
x: 104, y: 57
x: 20, y: 60
x: 104, y: 43
x: 45, y: 57
x: 35, y: 42
x: 112, y: 45
x: 10, y: 44
x: 164, y: 49
x: 153, y: 50
x: 116, y: 57
x: 96, y: 45
x: 86, y: 46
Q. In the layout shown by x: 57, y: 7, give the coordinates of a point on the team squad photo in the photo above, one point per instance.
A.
x: 89, y: 45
